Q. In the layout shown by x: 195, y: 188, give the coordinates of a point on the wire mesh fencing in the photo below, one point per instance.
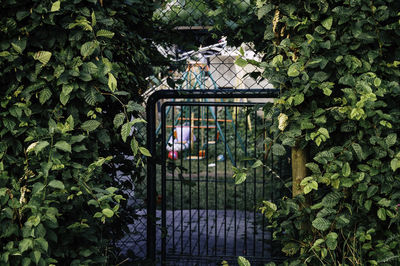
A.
x: 197, y: 57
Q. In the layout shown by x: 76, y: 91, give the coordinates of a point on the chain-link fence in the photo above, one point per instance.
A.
x: 197, y: 56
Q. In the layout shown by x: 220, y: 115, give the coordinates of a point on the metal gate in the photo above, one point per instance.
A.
x: 204, y: 187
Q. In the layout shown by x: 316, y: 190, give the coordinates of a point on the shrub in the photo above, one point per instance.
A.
x: 71, y: 73
x: 336, y: 63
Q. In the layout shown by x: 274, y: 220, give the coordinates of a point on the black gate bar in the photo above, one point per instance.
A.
x: 151, y: 142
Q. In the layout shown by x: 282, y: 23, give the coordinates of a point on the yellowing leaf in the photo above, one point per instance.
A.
x: 55, y: 6
x: 112, y: 82
x: 88, y: 48
x: 327, y: 23
x: 94, y: 20
x: 294, y: 70
x: 105, y: 33
x: 243, y: 262
x: 42, y: 56
x: 108, y: 212
x: 144, y: 151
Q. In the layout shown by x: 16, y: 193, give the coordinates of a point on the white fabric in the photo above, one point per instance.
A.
x: 182, y: 140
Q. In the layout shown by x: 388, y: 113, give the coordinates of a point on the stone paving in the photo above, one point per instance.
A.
x: 201, y: 237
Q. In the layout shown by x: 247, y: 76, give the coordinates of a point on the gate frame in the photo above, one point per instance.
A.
x: 151, y: 143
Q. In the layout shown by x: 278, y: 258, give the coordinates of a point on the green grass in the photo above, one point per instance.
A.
x: 205, y: 187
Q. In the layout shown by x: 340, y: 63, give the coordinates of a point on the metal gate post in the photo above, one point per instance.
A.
x: 151, y: 179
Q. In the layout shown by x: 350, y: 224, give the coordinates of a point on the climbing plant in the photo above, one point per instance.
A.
x: 336, y: 64
x: 71, y: 74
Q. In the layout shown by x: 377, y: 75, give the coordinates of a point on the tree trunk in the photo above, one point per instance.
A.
x: 299, y: 170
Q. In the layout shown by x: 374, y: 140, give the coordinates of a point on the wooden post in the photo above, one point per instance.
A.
x: 299, y: 170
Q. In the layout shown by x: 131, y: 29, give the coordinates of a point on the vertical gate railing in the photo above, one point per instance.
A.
x: 204, y: 215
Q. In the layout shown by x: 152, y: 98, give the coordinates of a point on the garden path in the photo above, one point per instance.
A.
x: 197, y: 238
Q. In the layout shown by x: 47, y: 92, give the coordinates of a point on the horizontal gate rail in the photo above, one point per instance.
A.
x: 151, y: 138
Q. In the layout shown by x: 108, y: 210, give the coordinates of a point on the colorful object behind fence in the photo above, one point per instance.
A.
x: 173, y: 155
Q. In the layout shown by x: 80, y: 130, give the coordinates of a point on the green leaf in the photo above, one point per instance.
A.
x: 4, y: 53
x: 298, y: 99
x: 85, y: 252
x: 377, y: 82
x: 314, y: 168
x: 240, y: 177
x: 112, y: 82
x: 241, y: 62
x: 138, y: 120
x: 45, y: 167
x: 37, y: 187
x: 108, y: 212
x: 70, y: 122
x: 317, y: 243
x: 277, y: 60
x: 243, y: 262
x: 358, y: 151
x: 290, y: 248
x: 346, y: 170
x: 294, y: 70
x: 371, y: 191
x: 278, y: 149
x: 307, y: 189
x: 44, y: 95
x: 42, y: 243
x: 42, y: 56
x: 94, y: 20
x: 395, y: 164
x: 90, y: 125
x: 36, y: 256
x: 40, y: 146
x: 3, y: 191
x: 346, y: 182
x: 91, y: 96
x: 321, y: 224
x: 26, y: 261
x: 134, y: 146
x: 384, y: 202
x: 77, y: 138
x: 327, y: 23
x: 63, y: 145
x: 88, y: 48
x: 391, y: 139
x: 17, y: 48
x: 368, y: 204
x: 105, y: 33
x: 25, y: 244
x: 313, y: 185
x: 64, y: 98
x: 324, y: 132
x: 119, y: 120
x: 67, y: 89
x: 125, y: 131
x: 144, y: 151
x: 257, y: 164
x: 331, y: 199
x: 381, y: 214
x: 55, y: 6
x: 56, y: 184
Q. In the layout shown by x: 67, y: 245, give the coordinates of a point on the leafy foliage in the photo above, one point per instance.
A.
x: 336, y: 64
x: 69, y: 72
